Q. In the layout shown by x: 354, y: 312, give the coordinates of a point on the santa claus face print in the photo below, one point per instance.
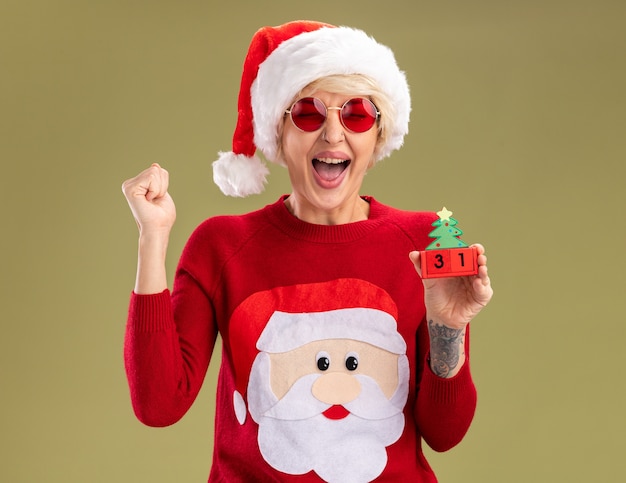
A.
x: 338, y: 363
x: 329, y: 400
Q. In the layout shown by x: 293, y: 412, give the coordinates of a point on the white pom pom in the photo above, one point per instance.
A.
x: 239, y: 175
x: 240, y: 407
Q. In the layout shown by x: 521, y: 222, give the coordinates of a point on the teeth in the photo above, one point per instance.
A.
x: 331, y: 160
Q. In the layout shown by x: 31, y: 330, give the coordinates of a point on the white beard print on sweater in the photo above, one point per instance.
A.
x: 347, y: 446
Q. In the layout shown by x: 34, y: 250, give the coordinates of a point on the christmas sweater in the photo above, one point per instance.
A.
x: 324, y: 373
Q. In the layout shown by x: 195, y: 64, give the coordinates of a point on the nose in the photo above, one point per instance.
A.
x: 336, y: 388
x: 333, y: 131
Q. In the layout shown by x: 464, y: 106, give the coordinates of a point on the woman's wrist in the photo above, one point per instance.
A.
x: 151, y: 272
x: 447, y: 349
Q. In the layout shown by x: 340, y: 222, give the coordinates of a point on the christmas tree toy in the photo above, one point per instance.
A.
x: 448, y: 255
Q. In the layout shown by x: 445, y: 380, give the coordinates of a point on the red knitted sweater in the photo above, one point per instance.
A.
x: 277, y: 289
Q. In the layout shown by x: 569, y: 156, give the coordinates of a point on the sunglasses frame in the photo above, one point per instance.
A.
x: 331, y: 108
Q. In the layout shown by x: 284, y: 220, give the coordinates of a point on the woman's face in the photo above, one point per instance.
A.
x: 326, y: 167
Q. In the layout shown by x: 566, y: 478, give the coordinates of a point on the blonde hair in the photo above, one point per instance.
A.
x: 350, y: 85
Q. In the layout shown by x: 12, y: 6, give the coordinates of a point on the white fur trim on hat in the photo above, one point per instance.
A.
x: 286, y: 331
x: 298, y: 61
x: 239, y: 175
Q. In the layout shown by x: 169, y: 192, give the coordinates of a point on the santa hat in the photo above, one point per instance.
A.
x: 280, y: 62
x: 284, y: 318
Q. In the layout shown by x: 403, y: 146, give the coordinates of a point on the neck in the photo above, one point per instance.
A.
x: 347, y: 213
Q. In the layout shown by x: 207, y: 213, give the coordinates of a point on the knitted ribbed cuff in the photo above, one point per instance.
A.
x: 150, y: 313
x: 447, y: 391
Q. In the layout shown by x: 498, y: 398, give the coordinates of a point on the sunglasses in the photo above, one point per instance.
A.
x: 357, y: 115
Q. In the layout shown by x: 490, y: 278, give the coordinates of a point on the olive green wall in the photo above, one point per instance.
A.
x: 518, y: 127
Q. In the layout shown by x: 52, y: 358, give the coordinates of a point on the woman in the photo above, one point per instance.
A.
x: 337, y: 359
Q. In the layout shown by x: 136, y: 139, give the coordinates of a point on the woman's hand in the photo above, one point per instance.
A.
x: 150, y: 202
x: 454, y: 301
x: 451, y: 303
x: 155, y: 213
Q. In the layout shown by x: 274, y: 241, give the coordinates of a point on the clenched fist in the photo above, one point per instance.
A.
x: 150, y: 202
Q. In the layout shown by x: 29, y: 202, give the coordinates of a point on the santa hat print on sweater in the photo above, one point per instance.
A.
x: 280, y: 62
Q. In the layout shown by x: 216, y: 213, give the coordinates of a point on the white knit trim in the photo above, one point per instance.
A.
x: 287, y: 331
x: 298, y: 61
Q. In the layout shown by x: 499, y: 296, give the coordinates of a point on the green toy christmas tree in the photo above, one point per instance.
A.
x: 447, y: 255
x: 445, y: 233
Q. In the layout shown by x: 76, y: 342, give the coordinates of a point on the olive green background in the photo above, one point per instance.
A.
x: 518, y: 127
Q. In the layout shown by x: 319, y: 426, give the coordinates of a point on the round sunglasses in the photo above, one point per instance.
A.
x: 357, y: 115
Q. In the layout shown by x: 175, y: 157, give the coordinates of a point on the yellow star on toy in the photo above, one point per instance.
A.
x: 444, y: 214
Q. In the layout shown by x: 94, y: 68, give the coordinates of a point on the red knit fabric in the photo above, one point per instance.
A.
x: 170, y: 337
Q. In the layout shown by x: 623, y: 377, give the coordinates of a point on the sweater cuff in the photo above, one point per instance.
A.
x: 150, y: 313
x: 447, y: 391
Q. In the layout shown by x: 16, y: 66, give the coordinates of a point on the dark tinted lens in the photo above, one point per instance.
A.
x: 359, y: 114
x: 308, y: 114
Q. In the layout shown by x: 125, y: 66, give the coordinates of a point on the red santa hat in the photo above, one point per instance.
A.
x: 280, y: 62
x: 284, y: 318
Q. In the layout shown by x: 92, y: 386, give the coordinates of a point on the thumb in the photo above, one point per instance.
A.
x: 414, y: 256
x: 156, y: 183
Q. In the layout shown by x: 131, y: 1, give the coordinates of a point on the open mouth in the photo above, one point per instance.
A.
x: 330, y: 169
